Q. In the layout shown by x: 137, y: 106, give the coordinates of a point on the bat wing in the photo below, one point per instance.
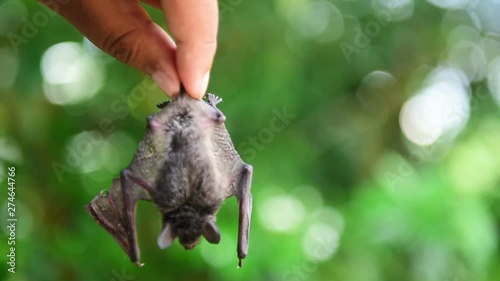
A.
x: 107, y: 209
x: 243, y: 185
x: 115, y: 210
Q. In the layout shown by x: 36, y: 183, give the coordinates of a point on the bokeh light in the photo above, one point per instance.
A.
x: 116, y: 151
x: 320, y: 19
x: 494, y: 79
x: 310, y: 196
x: 321, y: 241
x: 10, y: 150
x: 394, y: 10
x: 83, y: 151
x: 90, y: 151
x: 440, y: 108
x: 450, y: 4
x: 373, y: 92
x: 70, y: 74
x: 281, y: 213
x: 470, y: 58
x: 487, y: 12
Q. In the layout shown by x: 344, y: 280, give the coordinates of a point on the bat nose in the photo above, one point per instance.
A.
x: 189, y: 246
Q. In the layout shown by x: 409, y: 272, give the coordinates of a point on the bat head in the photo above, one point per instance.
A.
x: 185, y: 112
x: 188, y: 225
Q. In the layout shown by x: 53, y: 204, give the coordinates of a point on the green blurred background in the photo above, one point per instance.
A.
x: 387, y: 168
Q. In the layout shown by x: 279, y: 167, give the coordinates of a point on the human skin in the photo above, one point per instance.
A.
x: 123, y: 29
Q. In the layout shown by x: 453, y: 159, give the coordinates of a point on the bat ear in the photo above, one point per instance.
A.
x: 211, y: 232
x: 166, y: 237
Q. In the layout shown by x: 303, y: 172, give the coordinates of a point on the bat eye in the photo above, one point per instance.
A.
x: 219, y: 117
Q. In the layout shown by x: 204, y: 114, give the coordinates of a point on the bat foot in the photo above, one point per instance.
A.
x: 213, y: 99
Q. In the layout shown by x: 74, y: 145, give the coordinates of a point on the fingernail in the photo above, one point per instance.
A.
x: 203, y: 85
x: 169, y: 85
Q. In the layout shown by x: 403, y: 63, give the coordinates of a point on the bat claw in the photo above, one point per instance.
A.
x: 213, y: 99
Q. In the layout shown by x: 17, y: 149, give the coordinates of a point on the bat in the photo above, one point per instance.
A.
x: 186, y: 165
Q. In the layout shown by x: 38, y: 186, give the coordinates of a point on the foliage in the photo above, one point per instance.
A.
x: 340, y: 193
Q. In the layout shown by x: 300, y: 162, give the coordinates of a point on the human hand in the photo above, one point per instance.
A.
x: 123, y: 29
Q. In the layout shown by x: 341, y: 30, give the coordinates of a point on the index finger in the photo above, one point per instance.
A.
x: 193, y: 24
